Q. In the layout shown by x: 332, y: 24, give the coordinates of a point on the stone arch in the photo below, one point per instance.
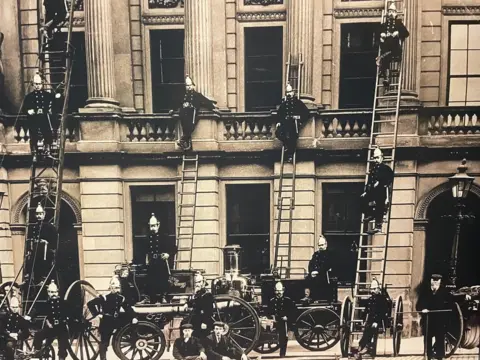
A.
x: 69, y: 200
x: 426, y: 200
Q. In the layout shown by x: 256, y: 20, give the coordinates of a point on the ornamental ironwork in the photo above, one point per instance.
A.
x: 165, y: 4
x: 263, y: 2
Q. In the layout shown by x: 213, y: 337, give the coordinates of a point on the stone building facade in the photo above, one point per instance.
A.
x: 122, y: 162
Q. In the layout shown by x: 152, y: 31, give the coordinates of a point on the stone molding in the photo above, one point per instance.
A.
x: 163, y: 19
x: 461, y: 10
x: 79, y: 21
x: 262, y: 2
x: 357, y: 13
x: 262, y: 16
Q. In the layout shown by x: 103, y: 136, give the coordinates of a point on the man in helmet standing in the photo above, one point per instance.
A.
x: 107, y: 308
x: 13, y: 327
x: 161, y: 250
x: 291, y: 114
x: 202, y: 308
x: 319, y: 270
x: 283, y: 309
x: 377, y: 314
x: 41, y: 242
x: 392, y: 33
x: 56, y: 323
x: 192, y: 102
x: 376, y: 198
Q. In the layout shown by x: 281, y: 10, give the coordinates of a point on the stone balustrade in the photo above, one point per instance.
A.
x: 151, y: 129
x: 20, y: 133
x: 245, y: 126
x: 345, y: 124
x: 450, y: 121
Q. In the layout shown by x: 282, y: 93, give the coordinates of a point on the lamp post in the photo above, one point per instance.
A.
x: 460, y: 184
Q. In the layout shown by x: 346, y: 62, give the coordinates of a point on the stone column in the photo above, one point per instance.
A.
x: 198, y: 44
x: 300, y: 41
x: 411, y: 62
x: 99, y: 51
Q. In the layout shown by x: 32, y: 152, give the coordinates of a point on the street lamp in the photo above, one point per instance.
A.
x: 460, y: 183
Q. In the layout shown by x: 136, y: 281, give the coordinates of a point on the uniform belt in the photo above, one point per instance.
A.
x: 187, y: 105
x: 56, y: 322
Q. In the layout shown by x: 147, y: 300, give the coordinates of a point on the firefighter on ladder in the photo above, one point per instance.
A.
x: 56, y: 14
x: 291, y: 114
x: 107, y: 308
x: 13, y: 327
x: 192, y: 102
x: 38, y: 105
x: 393, y: 32
x: 376, y: 198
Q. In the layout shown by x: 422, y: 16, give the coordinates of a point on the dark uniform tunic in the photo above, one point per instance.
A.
x: 192, y: 101
x: 202, y: 304
x: 377, y: 311
x: 56, y: 12
x: 442, y: 299
x: 374, y: 201
x: 287, y: 132
x: 320, y: 286
x: 280, y: 307
x: 12, y: 323
x: 187, y: 350
x: 217, y: 348
x: 109, y: 306
x: 39, y: 254
x: 41, y: 102
x: 391, y: 47
x: 157, y: 273
x: 57, y: 316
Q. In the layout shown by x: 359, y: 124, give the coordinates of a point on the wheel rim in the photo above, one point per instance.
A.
x: 318, y: 329
x: 454, y: 333
x: 141, y: 341
x: 84, y: 335
x: 397, y: 325
x: 240, y: 318
x: 345, y: 317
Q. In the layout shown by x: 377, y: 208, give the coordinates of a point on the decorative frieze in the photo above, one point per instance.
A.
x: 461, y: 10
x: 357, y: 13
x: 165, y: 4
x: 262, y: 2
x: 163, y: 19
x: 262, y: 16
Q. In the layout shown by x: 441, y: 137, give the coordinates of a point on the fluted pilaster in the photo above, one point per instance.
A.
x: 198, y: 44
x: 300, y: 40
x: 99, y: 51
x: 410, y: 59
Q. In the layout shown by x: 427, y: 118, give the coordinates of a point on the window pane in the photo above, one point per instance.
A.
x: 458, y: 36
x: 473, y: 90
x: 458, y: 62
x: 474, y: 37
x: 474, y: 62
x: 457, y: 89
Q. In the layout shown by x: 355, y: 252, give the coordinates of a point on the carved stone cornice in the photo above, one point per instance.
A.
x: 262, y: 16
x: 461, y: 10
x: 262, y: 2
x: 162, y: 19
x: 79, y: 21
x: 357, y: 13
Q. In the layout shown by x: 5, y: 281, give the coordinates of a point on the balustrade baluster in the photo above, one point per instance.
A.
x: 256, y: 131
x: 248, y: 131
x: 264, y: 132
x: 330, y: 129
x: 240, y: 130
x: 347, y: 129
x: 135, y: 133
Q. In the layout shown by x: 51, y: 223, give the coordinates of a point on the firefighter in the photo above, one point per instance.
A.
x: 161, y: 249
x: 13, y: 327
x: 291, y: 114
x: 377, y: 312
x: 192, y: 101
x: 220, y: 347
x: 56, y: 324
x: 188, y: 347
x: 393, y: 32
x: 38, y: 105
x: 107, y: 308
x: 56, y: 14
x: 283, y: 309
x: 202, y: 308
x: 376, y: 197
x: 319, y: 269
x: 41, y: 242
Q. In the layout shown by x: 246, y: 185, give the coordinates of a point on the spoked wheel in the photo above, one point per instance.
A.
x: 140, y: 341
x: 318, y: 329
x: 9, y: 289
x: 243, y: 325
x: 471, y: 332
x: 84, y: 335
x: 454, y: 333
x: 397, y: 326
x: 268, y: 342
x: 345, y: 318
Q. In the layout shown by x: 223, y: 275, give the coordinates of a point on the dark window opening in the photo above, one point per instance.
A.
x: 263, y: 67
x: 159, y: 200
x: 358, y: 71
x: 341, y: 226
x: 168, y: 69
x: 248, y: 224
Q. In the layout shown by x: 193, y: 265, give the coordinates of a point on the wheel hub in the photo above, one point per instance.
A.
x: 141, y: 344
x: 318, y: 329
